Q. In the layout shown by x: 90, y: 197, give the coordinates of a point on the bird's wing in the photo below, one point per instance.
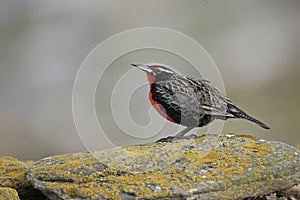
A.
x: 219, y: 111
x: 177, y: 103
x: 211, y: 100
x: 190, y: 105
x: 216, y: 111
x: 187, y: 102
x: 200, y: 80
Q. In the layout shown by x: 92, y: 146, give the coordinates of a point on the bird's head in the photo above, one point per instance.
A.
x: 156, y: 72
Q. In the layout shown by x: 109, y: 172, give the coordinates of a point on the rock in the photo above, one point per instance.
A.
x: 292, y: 193
x: 28, y: 163
x: 12, y: 179
x: 12, y: 172
x: 8, y: 193
x: 208, y: 167
x: 298, y: 146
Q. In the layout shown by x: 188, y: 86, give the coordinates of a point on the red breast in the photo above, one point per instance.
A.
x: 158, y: 108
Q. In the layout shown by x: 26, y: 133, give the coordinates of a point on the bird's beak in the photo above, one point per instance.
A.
x: 143, y: 67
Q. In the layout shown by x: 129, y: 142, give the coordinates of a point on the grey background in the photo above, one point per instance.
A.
x: 255, y: 44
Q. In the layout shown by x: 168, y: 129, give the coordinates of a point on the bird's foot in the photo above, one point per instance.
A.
x: 166, y: 139
x: 172, y: 138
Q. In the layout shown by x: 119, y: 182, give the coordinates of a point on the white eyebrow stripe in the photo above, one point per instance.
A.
x: 165, y: 70
x: 162, y: 65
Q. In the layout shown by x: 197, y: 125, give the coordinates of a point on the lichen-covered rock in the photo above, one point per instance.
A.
x: 12, y: 175
x: 12, y: 172
x: 208, y: 167
x: 8, y: 194
x: 292, y: 193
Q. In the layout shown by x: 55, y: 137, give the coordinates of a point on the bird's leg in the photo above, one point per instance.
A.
x: 177, y: 136
x: 183, y: 132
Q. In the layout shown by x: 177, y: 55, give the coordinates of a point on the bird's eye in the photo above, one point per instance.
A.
x: 158, y: 71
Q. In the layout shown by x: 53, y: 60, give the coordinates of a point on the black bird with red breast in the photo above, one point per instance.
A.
x: 191, y: 102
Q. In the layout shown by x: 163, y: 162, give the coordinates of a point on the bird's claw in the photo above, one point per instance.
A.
x: 192, y: 136
x: 166, y: 139
x: 172, y: 138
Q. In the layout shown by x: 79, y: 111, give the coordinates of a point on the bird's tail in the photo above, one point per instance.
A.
x: 238, y: 113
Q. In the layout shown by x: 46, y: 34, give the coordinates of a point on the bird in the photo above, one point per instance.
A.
x: 187, y: 101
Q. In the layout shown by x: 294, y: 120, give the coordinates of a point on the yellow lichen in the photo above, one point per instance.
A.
x: 12, y: 171
x: 134, y: 169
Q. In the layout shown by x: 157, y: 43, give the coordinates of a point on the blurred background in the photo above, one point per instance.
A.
x: 255, y: 44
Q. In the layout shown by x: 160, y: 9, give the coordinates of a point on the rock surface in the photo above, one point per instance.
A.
x: 12, y: 180
x: 8, y: 194
x: 12, y: 172
x: 208, y: 167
